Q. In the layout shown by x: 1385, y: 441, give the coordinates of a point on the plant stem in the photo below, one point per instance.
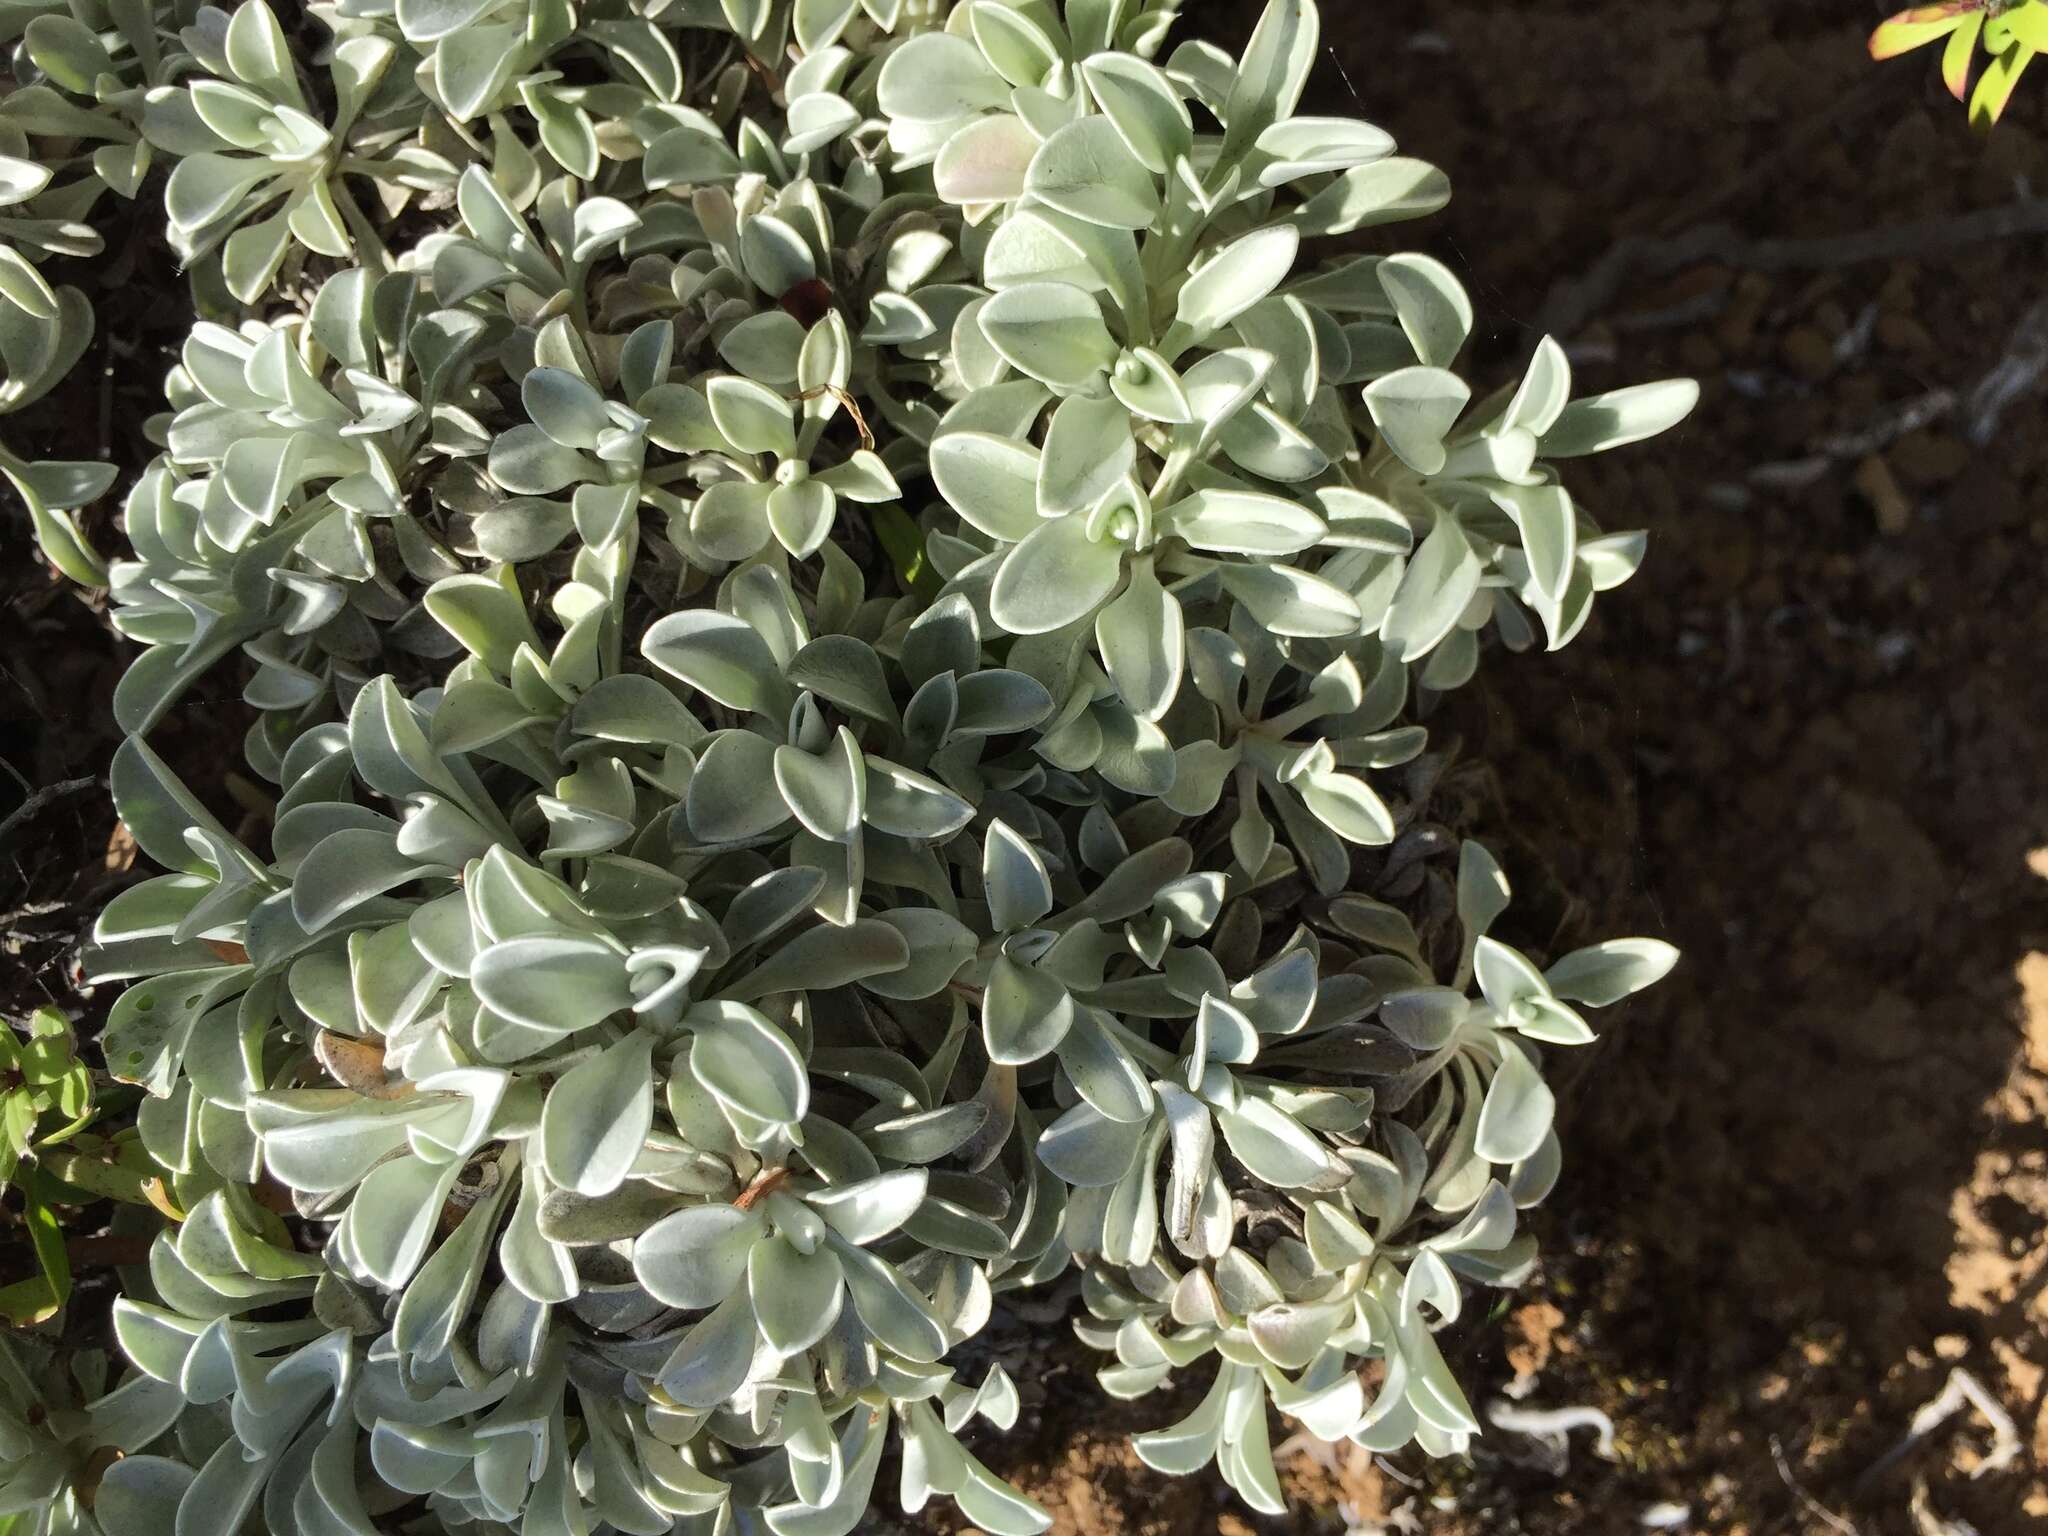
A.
x: 109, y: 1181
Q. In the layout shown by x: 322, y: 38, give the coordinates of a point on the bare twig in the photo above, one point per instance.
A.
x: 1550, y: 1425
x: 39, y: 801
x: 766, y: 1182
x: 1891, y: 425
x: 1701, y: 306
x: 33, y: 909
x: 1928, y: 1521
x: 867, y: 438
x: 1807, y: 1501
x: 1961, y: 1391
x: 1396, y: 1473
x: 1963, y: 1388
x: 2016, y: 372
x: 1571, y: 305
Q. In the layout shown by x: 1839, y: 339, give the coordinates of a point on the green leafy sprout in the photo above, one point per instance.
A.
x: 2011, y: 33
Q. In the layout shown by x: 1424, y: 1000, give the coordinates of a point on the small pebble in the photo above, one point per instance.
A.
x: 1902, y: 333
x: 1880, y: 487
x: 1928, y: 458
x: 1699, y: 354
x: 1808, y: 353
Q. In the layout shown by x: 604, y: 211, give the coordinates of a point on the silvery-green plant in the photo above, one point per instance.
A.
x: 257, y: 171
x: 275, y: 518
x: 78, y: 1459
x: 837, y: 595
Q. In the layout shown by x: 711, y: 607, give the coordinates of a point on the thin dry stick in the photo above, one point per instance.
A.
x: 41, y: 800
x: 1960, y: 1392
x: 1571, y: 305
x: 765, y: 1184
x: 2017, y: 371
x: 867, y: 438
x: 1807, y: 1501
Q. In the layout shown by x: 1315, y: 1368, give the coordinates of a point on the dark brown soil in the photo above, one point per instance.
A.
x: 1809, y: 1176
x: 62, y: 857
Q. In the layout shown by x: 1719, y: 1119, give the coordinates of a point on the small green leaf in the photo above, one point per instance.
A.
x: 752, y: 417
x: 1088, y: 171
x: 1024, y: 1013
x: 796, y: 1295
x: 1415, y: 408
x: 1440, y: 580
x: 719, y: 655
x: 1145, y: 107
x: 992, y: 482
x: 556, y: 984
x: 746, y: 1062
x: 937, y: 77
x: 1236, y: 278
x: 1620, y: 417
x: 698, y: 1256
x: 596, y: 1118
x: 1089, y: 449
x: 1387, y: 191
x: 1273, y: 72
x: 1052, y: 331
x: 1604, y: 974
x: 1058, y: 575
x: 1517, y: 1111
x: 986, y: 161
x: 1014, y: 880
x: 1431, y: 304
x: 1244, y: 523
x: 1143, y: 643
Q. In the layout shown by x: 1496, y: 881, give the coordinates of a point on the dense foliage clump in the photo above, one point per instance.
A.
x: 832, y: 592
